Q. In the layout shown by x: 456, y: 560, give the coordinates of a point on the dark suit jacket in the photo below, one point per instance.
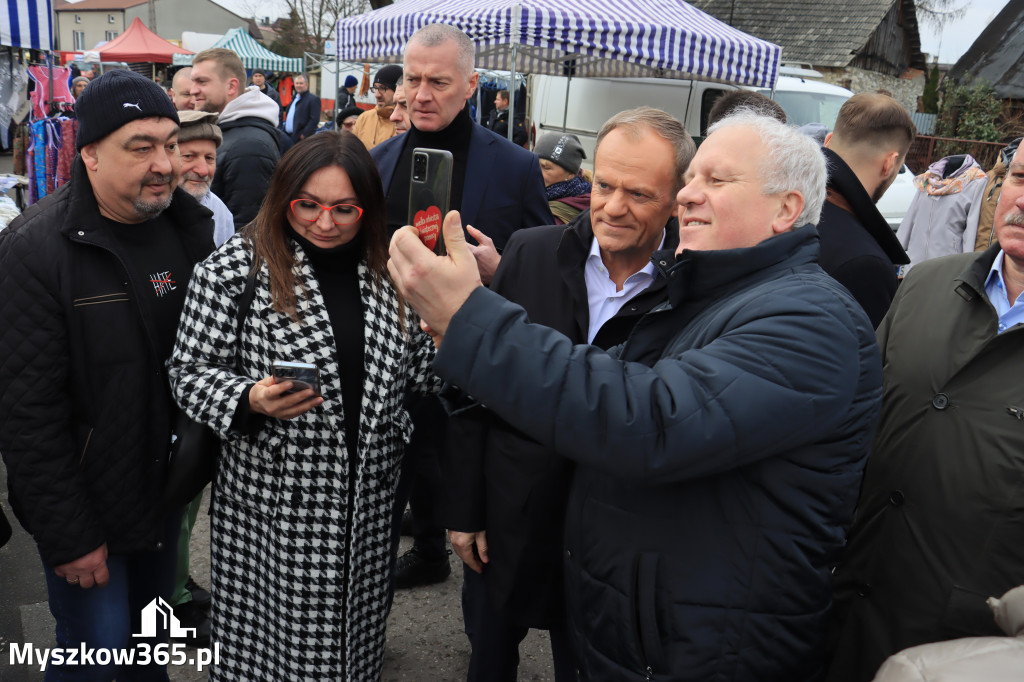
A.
x: 503, y: 192
x: 501, y: 480
x: 858, y: 248
x: 498, y: 122
x: 307, y: 116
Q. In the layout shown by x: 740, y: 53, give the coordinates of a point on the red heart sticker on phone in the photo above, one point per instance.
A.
x: 428, y: 224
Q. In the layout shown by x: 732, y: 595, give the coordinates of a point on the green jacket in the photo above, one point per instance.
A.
x: 940, y: 523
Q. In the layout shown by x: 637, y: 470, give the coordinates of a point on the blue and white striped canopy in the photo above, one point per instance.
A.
x: 27, y: 24
x: 623, y: 38
x: 255, y: 56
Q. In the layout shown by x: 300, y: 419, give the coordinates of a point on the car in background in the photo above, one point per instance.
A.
x: 894, y: 203
x: 592, y: 101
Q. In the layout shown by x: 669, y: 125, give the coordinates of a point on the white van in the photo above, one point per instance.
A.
x: 592, y: 101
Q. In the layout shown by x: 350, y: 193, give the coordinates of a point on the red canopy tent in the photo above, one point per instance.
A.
x: 139, y: 44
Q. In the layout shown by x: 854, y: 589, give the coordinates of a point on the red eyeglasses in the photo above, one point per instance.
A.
x: 310, y: 211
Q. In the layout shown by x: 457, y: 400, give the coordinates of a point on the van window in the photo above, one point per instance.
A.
x: 809, y: 107
x: 707, y: 101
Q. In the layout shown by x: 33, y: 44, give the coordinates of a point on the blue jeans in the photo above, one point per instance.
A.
x: 106, y: 617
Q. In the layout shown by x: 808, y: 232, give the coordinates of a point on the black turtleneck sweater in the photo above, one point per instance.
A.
x: 337, y: 272
x: 455, y: 139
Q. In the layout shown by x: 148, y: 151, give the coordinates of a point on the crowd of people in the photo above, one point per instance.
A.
x: 679, y: 411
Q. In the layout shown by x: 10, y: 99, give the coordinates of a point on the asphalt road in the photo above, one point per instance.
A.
x: 425, y: 637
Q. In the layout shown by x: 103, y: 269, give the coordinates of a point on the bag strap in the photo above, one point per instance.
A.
x: 245, y: 303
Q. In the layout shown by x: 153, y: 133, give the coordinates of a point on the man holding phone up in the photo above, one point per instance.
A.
x: 498, y: 188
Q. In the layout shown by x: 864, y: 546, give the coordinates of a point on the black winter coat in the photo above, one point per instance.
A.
x: 858, y: 247
x: 501, y: 480
x: 719, y: 453
x: 245, y: 163
x: 85, y: 406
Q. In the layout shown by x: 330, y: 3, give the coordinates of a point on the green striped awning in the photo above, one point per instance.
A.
x: 255, y: 56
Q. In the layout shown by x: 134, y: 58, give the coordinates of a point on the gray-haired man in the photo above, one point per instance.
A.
x: 719, y: 451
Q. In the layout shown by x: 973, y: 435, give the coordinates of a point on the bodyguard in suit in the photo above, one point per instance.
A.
x: 302, y: 115
x: 498, y: 188
x: 496, y: 185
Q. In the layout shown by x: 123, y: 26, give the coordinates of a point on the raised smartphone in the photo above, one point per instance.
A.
x: 430, y: 192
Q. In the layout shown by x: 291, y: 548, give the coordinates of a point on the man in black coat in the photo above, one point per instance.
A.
x: 498, y: 188
x: 865, y: 152
x: 93, y: 279
x: 259, y: 79
x: 497, y: 120
x: 248, y: 121
x: 303, y: 113
x: 505, y: 493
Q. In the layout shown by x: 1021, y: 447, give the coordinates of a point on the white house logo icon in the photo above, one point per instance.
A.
x: 158, y: 615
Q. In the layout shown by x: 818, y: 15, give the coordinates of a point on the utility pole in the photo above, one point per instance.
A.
x: 152, y: 16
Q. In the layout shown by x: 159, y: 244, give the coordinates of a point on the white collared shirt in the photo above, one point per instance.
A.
x: 602, y: 298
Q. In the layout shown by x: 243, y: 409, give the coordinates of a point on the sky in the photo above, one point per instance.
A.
x: 948, y: 43
x: 957, y: 37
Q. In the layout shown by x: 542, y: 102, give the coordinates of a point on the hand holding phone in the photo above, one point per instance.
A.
x: 303, y: 375
x: 430, y: 188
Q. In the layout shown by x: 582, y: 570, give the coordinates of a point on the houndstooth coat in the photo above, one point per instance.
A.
x: 299, y: 588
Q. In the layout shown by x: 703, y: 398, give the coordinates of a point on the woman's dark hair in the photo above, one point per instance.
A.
x: 267, y: 234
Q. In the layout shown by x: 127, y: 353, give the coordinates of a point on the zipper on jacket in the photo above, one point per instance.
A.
x: 1016, y: 412
x: 85, y: 447
x: 650, y: 674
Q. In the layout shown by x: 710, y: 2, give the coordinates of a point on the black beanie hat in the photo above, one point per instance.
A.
x: 116, y: 98
x: 388, y: 76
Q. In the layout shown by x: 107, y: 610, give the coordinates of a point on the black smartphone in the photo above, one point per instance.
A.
x: 303, y: 375
x: 430, y: 191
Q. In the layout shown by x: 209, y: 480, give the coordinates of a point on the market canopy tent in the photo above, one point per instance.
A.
x: 27, y: 24
x: 624, y: 38
x: 139, y: 44
x: 255, y: 56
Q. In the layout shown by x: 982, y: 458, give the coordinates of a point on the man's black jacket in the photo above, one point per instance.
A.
x: 499, y: 479
x: 858, y: 248
x: 85, y: 407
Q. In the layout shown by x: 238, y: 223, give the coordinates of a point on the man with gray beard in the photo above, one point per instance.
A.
x: 93, y: 278
x: 198, y: 139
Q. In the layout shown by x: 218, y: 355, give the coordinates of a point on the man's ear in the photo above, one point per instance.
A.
x: 233, y: 87
x: 473, y: 80
x: 890, y: 161
x: 828, y: 138
x: 789, y: 210
x: 89, y: 157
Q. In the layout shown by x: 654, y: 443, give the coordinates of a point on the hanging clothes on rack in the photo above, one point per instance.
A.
x: 13, y: 90
x: 50, y: 155
x: 41, y: 95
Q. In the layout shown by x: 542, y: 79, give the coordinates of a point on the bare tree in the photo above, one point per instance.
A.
x: 319, y: 17
x: 939, y: 13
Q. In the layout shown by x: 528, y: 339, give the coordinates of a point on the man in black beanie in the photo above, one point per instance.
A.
x: 93, y: 279
x: 375, y: 126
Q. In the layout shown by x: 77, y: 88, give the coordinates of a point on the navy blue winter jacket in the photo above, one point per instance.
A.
x: 720, y: 453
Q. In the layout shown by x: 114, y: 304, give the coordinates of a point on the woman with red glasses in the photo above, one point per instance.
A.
x: 301, y: 520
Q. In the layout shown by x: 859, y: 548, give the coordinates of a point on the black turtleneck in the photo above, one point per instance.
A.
x: 455, y: 139
x: 337, y: 272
